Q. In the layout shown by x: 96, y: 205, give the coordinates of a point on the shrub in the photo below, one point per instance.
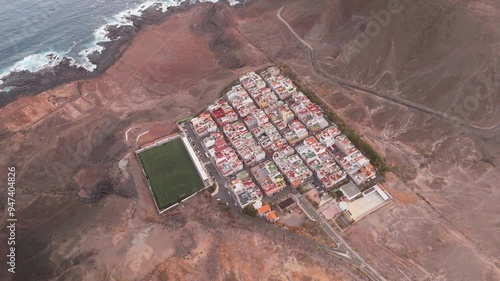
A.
x: 250, y: 211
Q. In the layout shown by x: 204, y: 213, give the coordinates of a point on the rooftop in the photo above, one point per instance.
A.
x: 370, y: 202
x: 272, y: 216
x: 264, y: 209
x: 350, y: 190
x: 244, y: 189
x: 286, y: 203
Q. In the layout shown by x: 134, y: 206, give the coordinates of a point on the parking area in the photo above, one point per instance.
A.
x: 196, y: 142
x: 292, y: 217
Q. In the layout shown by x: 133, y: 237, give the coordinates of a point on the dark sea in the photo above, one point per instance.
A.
x: 38, y: 34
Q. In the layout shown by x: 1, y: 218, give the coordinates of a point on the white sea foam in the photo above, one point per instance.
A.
x: 40, y: 61
x: 35, y: 62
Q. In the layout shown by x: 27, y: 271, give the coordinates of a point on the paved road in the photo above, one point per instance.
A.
x: 223, y: 193
x: 342, y: 248
x: 389, y: 97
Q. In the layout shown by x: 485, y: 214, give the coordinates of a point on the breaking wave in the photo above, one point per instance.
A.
x: 51, y: 58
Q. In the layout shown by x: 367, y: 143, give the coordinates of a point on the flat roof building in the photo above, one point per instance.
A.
x: 293, y: 132
x: 280, y: 112
x: 240, y: 100
x: 203, y: 124
x: 225, y: 158
x: 373, y: 198
x: 265, y: 132
x: 281, y: 85
x: 269, y: 177
x: 321, y: 162
x: 292, y: 166
x: 350, y: 191
x: 327, y: 136
x: 308, y: 113
x: 249, y: 150
x: 243, y: 190
x: 223, y: 113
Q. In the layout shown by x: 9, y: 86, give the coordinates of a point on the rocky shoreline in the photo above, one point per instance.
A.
x: 25, y: 83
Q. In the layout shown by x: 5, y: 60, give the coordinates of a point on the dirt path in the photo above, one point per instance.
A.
x: 391, y: 98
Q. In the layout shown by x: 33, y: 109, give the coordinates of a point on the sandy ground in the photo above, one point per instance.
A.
x: 85, y: 214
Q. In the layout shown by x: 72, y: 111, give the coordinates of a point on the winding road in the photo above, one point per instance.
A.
x: 388, y: 97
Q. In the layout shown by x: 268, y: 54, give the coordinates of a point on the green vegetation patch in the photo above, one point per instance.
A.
x: 170, y: 172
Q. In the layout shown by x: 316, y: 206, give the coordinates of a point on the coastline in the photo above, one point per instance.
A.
x: 25, y: 83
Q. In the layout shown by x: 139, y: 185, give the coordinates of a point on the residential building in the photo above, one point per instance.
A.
x: 223, y: 113
x: 243, y: 190
x: 265, y: 132
x: 263, y: 97
x: 250, y: 152
x: 239, y: 99
x: 203, y: 124
x: 293, y: 132
x: 281, y: 85
x: 224, y: 157
x: 345, y: 145
x: 266, y: 212
x: 272, y: 217
x: 252, y: 82
x: 292, y: 166
x: 280, y: 112
x: 308, y: 113
x: 327, y: 136
x: 321, y: 162
x: 357, y: 166
x: 269, y: 177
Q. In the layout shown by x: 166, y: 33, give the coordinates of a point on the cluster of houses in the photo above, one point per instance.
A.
x: 204, y: 124
x: 242, y: 140
x: 308, y: 113
x: 265, y: 132
x: 357, y: 166
x: 319, y: 160
x: 239, y: 99
x: 223, y: 113
x: 281, y: 85
x: 258, y: 90
x: 244, y: 190
x: 280, y: 114
x: 292, y: 166
x: 225, y: 158
x: 276, y: 136
x: 269, y: 177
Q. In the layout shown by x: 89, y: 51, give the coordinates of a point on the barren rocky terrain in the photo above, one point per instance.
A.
x: 85, y: 214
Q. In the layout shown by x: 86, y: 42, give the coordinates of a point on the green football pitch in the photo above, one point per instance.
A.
x: 170, y: 172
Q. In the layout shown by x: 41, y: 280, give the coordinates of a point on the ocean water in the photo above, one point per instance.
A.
x: 38, y: 34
